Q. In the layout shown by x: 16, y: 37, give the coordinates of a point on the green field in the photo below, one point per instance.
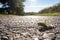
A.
x: 44, y: 14
x: 6, y: 15
x: 34, y: 14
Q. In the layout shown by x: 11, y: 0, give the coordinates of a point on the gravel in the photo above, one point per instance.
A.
x: 26, y: 28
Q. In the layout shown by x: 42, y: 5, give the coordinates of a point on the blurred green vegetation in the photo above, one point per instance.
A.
x: 6, y: 15
x: 12, y: 7
x: 52, y: 9
x: 34, y: 14
x: 42, y: 14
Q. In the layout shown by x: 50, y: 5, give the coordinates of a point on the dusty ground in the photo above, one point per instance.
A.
x: 26, y: 27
